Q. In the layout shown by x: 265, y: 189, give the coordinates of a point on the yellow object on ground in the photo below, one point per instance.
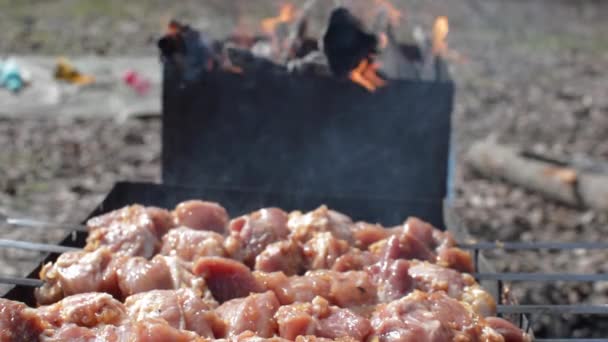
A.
x: 65, y: 71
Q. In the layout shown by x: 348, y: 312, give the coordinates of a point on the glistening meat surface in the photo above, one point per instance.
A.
x: 192, y: 274
x: 434, y: 317
x: 120, y: 276
x: 182, y: 309
x: 250, y: 234
x: 133, y: 231
x: 318, y: 318
x: 190, y: 244
x: 253, y: 313
x: 201, y: 215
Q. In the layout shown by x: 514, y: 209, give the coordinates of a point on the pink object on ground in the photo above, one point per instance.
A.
x: 137, y: 82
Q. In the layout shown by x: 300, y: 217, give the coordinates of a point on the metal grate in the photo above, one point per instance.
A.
x: 242, y: 201
x: 524, y: 312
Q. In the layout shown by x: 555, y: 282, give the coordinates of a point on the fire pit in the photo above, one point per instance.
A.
x: 269, y: 128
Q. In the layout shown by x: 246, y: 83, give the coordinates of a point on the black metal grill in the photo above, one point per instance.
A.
x: 524, y: 312
x: 374, y: 210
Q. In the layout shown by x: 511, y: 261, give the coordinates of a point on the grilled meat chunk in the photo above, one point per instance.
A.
x: 253, y: 313
x: 322, y: 250
x: 189, y: 244
x: 423, y: 317
x: 226, y: 279
x: 18, y: 323
x: 120, y: 276
x: 433, y: 278
x: 135, y: 214
x: 136, y: 275
x: 85, y: 310
x: 397, y: 278
x: 303, y: 226
x: 354, y: 260
x: 134, y: 231
x: 250, y: 234
x: 417, y: 239
x: 148, y: 330
x: 201, y: 215
x: 365, y: 234
x: 250, y: 336
x: 345, y: 290
x: 78, y: 272
x: 282, y: 256
x: 182, y: 309
x: 318, y: 318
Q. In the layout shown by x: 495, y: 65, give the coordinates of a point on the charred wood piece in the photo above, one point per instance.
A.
x: 346, y: 43
x: 187, y: 50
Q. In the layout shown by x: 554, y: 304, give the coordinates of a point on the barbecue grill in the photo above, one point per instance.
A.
x: 239, y: 202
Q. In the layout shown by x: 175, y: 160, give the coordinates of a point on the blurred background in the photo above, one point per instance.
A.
x: 530, y: 73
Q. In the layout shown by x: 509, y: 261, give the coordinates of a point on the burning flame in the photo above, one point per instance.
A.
x: 441, y: 27
x: 365, y: 75
x: 287, y: 14
x: 394, y: 15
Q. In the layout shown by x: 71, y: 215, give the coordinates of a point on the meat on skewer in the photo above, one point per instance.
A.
x: 138, y: 231
x: 379, y: 283
x: 296, y: 243
x: 181, y: 315
x: 120, y: 276
x: 312, y: 276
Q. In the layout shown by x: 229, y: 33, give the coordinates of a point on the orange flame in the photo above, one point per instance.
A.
x: 365, y: 75
x: 394, y: 15
x: 441, y: 27
x: 287, y: 14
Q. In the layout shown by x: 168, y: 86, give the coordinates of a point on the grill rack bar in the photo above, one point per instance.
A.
x: 540, y: 277
x: 32, y: 223
x: 578, y: 309
x: 35, y: 246
x: 525, y: 312
x: 21, y: 281
x: 522, y: 246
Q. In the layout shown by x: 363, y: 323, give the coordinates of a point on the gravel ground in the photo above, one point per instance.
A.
x: 533, y: 76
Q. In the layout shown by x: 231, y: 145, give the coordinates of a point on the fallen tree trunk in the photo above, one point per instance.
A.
x: 561, y: 183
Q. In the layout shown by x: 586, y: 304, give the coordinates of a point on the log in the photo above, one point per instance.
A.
x: 565, y: 184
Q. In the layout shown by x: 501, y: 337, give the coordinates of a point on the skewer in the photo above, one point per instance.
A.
x: 35, y: 246
x: 31, y: 223
x: 21, y: 281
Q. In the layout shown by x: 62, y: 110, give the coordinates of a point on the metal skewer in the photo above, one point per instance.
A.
x: 35, y: 246
x: 26, y: 222
x: 21, y: 281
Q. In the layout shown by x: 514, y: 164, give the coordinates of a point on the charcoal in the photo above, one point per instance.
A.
x: 346, y: 43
